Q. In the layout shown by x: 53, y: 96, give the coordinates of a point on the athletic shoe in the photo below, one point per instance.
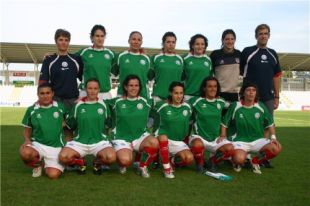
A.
x: 247, y: 164
x: 37, y: 171
x: 155, y: 165
x: 200, y: 168
x: 211, y: 166
x: 105, y: 167
x: 122, y: 170
x: 144, y: 172
x: 81, y: 170
x: 256, y: 169
x: 135, y: 165
x: 267, y: 164
x: 237, y: 168
x: 169, y: 174
x: 70, y: 168
x: 96, y: 169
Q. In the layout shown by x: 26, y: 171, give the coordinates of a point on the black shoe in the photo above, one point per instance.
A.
x: 155, y: 165
x: 211, y: 166
x: 247, y: 164
x: 266, y: 164
x: 97, y: 170
x: 200, y: 169
x: 82, y: 170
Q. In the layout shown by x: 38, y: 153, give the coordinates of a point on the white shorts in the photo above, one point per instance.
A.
x: 85, y: 149
x: 49, y: 155
x: 101, y: 95
x: 210, y: 146
x: 254, y: 146
x: 176, y: 146
x: 119, y: 144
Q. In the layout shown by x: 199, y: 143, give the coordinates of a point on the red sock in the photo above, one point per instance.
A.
x: 148, y: 156
x: 198, y: 154
x: 164, y: 151
x: 36, y: 162
x: 77, y: 161
x: 220, y: 156
x: 263, y: 156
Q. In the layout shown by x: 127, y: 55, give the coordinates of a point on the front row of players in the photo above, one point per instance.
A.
x: 248, y: 120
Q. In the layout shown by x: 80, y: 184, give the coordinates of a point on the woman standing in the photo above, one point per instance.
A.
x: 133, y: 62
x: 197, y: 65
x: 174, y: 116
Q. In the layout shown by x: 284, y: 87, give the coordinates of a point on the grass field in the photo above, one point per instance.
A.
x: 287, y: 184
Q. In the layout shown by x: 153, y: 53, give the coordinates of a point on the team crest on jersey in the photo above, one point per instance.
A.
x: 140, y: 106
x: 142, y: 61
x: 190, y: 63
x: 185, y: 113
x: 241, y: 116
x: 107, y: 56
x: 127, y: 61
x: 83, y: 110
x: 178, y: 62
x: 39, y: 116
x: 168, y: 112
x: 218, y: 106
x: 257, y: 115
x: 206, y: 64
x: 264, y: 59
x: 64, y: 66
x: 237, y: 60
x: 90, y: 56
x: 123, y: 106
x: 56, y: 115
x: 100, y: 111
x: 204, y: 105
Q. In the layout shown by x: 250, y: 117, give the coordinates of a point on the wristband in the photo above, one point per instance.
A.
x: 273, y: 137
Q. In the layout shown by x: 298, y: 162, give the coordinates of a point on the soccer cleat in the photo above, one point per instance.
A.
x: 155, y: 165
x: 81, y: 170
x: 122, y: 170
x: 37, y: 171
x: 200, y: 168
x: 105, y: 167
x: 135, y: 165
x: 267, y: 164
x: 211, y: 166
x: 256, y: 169
x: 144, y: 172
x: 169, y: 174
x: 237, y: 168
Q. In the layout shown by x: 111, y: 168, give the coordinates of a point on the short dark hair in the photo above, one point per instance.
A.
x: 44, y: 85
x: 204, y: 85
x: 172, y: 86
x: 126, y: 81
x: 168, y: 34
x: 62, y: 32
x: 260, y: 27
x: 245, y: 85
x: 95, y: 28
x: 193, y: 39
x: 92, y: 80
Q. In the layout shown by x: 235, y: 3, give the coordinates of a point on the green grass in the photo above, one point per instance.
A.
x: 286, y: 184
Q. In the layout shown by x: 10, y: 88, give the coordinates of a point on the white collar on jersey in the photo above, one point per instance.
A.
x: 210, y: 100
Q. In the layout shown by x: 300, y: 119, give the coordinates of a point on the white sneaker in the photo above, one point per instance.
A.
x: 37, y: 171
x: 144, y: 172
x: 256, y: 169
x: 237, y: 168
x: 169, y: 174
x: 122, y: 170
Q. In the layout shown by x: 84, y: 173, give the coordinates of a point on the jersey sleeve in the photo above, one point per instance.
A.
x: 44, y: 73
x: 71, y: 119
x: 26, y: 122
x: 115, y: 65
x: 227, y: 119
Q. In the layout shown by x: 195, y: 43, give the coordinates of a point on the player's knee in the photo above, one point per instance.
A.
x: 162, y: 138
x: 197, y: 143
x: 125, y: 161
x: 64, y: 158
x: 239, y: 158
x: 109, y: 158
x: 153, y: 142
x: 53, y: 173
x: 27, y: 154
x: 188, y: 158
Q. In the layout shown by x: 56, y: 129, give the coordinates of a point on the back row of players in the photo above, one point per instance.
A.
x: 132, y: 108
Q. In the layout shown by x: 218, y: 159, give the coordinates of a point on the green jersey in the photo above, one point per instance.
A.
x: 89, y: 119
x: 133, y: 63
x: 167, y: 68
x: 208, y: 116
x: 131, y: 116
x: 174, y: 120
x: 97, y: 64
x: 196, y: 69
x: 46, y: 123
x: 249, y: 122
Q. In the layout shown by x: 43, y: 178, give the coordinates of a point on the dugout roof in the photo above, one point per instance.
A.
x: 34, y: 53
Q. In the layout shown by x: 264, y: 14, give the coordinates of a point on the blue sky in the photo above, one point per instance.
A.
x: 35, y: 21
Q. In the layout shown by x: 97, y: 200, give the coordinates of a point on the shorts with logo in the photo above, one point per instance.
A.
x: 254, y: 146
x: 119, y: 144
x: 210, y: 146
x: 48, y: 154
x: 85, y: 149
